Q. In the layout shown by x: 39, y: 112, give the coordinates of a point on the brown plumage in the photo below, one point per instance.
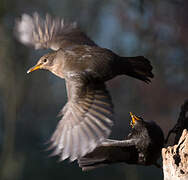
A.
x: 87, y: 116
x: 142, y: 146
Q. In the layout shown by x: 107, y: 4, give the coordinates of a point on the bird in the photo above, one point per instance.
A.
x: 181, y: 124
x: 142, y: 146
x: 87, y: 117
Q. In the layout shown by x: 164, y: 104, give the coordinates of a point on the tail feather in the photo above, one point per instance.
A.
x: 138, y: 67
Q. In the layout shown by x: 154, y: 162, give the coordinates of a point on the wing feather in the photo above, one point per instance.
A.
x: 50, y: 32
x: 87, y: 121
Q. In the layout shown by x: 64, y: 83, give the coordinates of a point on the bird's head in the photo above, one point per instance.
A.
x: 135, y: 120
x: 48, y: 61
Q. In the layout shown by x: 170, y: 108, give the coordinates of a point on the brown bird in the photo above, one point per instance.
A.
x: 87, y: 116
x: 142, y: 146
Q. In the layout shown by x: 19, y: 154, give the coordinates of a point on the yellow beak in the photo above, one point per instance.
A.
x: 134, y: 119
x: 36, y: 67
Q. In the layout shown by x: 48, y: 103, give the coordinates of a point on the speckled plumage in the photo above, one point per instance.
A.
x: 88, y: 115
x: 142, y: 146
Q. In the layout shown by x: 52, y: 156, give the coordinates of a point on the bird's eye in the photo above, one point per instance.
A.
x: 45, y: 60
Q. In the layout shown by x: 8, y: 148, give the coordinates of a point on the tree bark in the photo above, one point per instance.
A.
x: 175, y: 159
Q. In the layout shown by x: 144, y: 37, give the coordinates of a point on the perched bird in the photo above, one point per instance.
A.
x: 88, y: 115
x: 142, y: 147
x: 181, y: 124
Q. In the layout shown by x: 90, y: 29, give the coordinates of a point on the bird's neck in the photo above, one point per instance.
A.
x: 58, y: 72
x: 57, y: 69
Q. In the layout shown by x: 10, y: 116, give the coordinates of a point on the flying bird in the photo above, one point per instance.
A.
x: 142, y: 146
x: 87, y: 117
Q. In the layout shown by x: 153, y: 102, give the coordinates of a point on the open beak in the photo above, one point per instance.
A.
x: 134, y: 119
x: 36, y: 67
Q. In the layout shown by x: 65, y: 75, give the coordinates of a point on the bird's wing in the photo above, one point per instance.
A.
x: 123, y: 143
x: 95, y: 159
x: 110, y: 151
x: 50, y: 32
x: 86, y: 122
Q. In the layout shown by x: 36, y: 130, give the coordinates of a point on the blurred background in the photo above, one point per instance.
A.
x: 29, y: 104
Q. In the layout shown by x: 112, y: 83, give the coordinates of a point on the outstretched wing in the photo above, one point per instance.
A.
x: 86, y: 122
x: 110, y: 151
x: 50, y: 32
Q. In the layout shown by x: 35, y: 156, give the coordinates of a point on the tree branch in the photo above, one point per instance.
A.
x: 175, y: 159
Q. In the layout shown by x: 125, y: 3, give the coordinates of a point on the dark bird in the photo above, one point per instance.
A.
x: 87, y: 116
x: 182, y: 123
x: 142, y: 146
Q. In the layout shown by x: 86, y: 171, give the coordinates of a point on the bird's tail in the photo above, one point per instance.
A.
x: 138, y: 67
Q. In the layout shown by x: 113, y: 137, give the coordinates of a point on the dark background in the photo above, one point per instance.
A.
x: 157, y: 29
